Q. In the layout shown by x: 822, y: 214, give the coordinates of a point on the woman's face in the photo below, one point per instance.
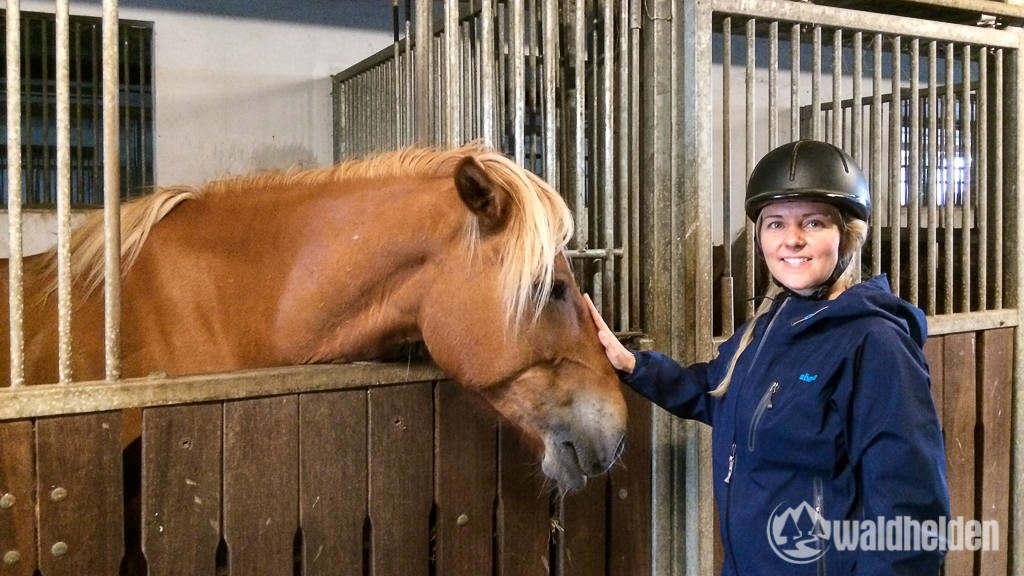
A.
x: 800, y: 242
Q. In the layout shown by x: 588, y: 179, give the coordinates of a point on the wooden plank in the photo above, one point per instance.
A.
x: 933, y: 348
x: 332, y: 482
x: 583, y: 536
x: 524, y: 507
x: 466, y: 481
x: 996, y: 391
x: 261, y: 485
x: 629, y: 521
x: 17, y: 499
x: 401, y: 469
x: 959, y: 417
x: 79, y: 494
x: 181, y: 481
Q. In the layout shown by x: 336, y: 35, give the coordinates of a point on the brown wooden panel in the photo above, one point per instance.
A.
x: 401, y: 487
x: 629, y: 524
x: 17, y: 499
x: 933, y: 354
x: 332, y: 482
x: 996, y: 355
x: 261, y: 485
x: 959, y: 418
x: 79, y: 492
x: 466, y: 482
x: 181, y: 481
x: 524, y: 510
x: 583, y: 538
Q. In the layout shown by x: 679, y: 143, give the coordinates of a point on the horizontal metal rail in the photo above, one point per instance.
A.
x: 160, y: 390
x: 866, y: 21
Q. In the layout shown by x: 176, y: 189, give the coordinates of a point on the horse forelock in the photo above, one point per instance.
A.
x: 539, y: 225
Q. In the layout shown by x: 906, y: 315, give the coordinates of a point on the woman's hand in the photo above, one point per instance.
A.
x: 620, y: 358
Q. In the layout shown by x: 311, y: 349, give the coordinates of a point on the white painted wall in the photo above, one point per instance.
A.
x: 239, y: 86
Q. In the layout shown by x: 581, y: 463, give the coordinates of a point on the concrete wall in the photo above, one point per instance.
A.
x: 239, y: 85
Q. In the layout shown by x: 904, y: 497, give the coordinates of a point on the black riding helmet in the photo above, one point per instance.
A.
x: 809, y: 170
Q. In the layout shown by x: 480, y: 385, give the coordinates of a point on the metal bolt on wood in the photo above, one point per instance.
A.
x: 59, y: 549
x: 59, y: 493
x: 7, y: 500
x: 12, y: 557
x: 462, y: 520
x: 623, y: 493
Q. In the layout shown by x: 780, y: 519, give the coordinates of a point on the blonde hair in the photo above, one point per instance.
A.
x: 853, y: 232
x: 539, y: 224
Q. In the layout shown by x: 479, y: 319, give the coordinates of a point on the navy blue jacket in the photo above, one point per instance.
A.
x: 832, y: 409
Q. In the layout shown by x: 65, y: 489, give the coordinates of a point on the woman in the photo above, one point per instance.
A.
x: 820, y: 405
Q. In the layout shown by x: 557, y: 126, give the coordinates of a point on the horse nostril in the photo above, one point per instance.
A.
x: 620, y: 448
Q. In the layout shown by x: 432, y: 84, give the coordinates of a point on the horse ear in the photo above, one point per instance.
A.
x: 479, y: 193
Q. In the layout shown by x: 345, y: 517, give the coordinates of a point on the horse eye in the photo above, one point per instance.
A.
x: 558, y: 290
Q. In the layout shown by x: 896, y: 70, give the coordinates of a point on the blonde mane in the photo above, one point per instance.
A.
x: 539, y: 225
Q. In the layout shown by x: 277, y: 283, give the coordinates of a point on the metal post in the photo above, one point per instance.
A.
x: 933, y: 176
x: 424, y: 46
x: 914, y: 200
x: 816, y: 130
x: 965, y: 212
x: 111, y: 193
x: 857, y: 127
x: 580, y: 121
x: 63, y: 194
x: 608, y: 266
x: 453, y: 73
x: 982, y: 179
x: 876, y: 160
x: 14, y: 191
x: 948, y: 204
x: 487, y: 58
x: 794, y: 86
x: 895, y: 192
x: 837, y: 94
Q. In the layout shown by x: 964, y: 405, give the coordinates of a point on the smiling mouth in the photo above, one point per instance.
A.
x: 795, y: 260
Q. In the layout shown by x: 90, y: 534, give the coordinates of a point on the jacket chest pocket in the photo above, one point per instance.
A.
x: 793, y: 419
x: 766, y: 403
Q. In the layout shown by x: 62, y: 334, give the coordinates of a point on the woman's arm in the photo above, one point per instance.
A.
x: 681, y: 391
x: 896, y: 447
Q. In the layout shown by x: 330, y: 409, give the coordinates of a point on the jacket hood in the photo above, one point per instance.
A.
x: 870, y: 298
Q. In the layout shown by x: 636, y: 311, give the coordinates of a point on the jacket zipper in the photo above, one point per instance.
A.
x: 819, y: 509
x: 767, y: 403
x: 732, y: 449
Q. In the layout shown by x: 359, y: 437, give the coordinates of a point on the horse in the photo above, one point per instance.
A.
x: 460, y: 249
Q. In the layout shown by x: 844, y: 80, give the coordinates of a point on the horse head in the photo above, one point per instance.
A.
x: 506, y: 318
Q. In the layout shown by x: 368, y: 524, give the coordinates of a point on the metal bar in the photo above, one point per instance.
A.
x: 727, y: 149
x: 96, y: 66
x: 410, y: 80
x: 126, y: 175
x: 816, y: 129
x: 398, y: 70
x: 143, y: 181
x: 580, y: 121
x: 608, y: 160
x: 44, y: 27
x: 833, y: 17
x: 634, y: 165
x: 981, y: 197
x: 550, y: 22
x: 622, y: 152
x: 965, y: 146
x: 728, y: 323
x: 895, y: 185
x: 837, y: 94
x: 876, y: 159
x: 594, y: 253
x: 857, y: 128
x: 487, y: 58
x: 63, y: 193
x: 794, y: 89
x: 518, y: 81
x: 424, y: 46
x: 914, y: 201
x: 14, y: 190
x: 453, y: 70
x: 96, y: 396
x: 33, y: 191
x: 997, y: 142
x: 933, y: 176
x: 111, y: 194
x: 502, y: 76
x: 948, y: 207
x: 773, y: 142
x: 77, y: 193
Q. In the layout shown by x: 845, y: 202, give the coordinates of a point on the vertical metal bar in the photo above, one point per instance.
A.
x: 14, y: 190
x: 729, y: 323
x: 997, y: 146
x: 857, y: 127
x: 453, y: 73
x: 966, y: 220
x: 424, y: 47
x: 63, y: 194
x: 914, y: 203
x: 32, y: 190
x: 634, y: 165
x: 79, y: 129
x: 933, y: 177
x: 501, y: 103
x: 518, y: 81
x: 622, y: 157
x: 44, y: 27
x: 773, y: 142
x: 608, y: 161
x: 111, y: 194
x: 948, y: 196
x: 981, y: 195
x: 895, y: 169
x: 143, y: 181
x: 468, y: 103
x: 96, y: 66
x: 727, y: 162
x: 550, y: 18
x: 876, y: 159
x: 533, y: 78
x: 580, y: 121
x: 398, y: 71
x: 837, y: 94
x: 816, y: 129
x: 794, y: 79
x: 125, y: 128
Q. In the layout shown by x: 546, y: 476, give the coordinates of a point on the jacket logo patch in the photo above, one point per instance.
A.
x: 808, y: 378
